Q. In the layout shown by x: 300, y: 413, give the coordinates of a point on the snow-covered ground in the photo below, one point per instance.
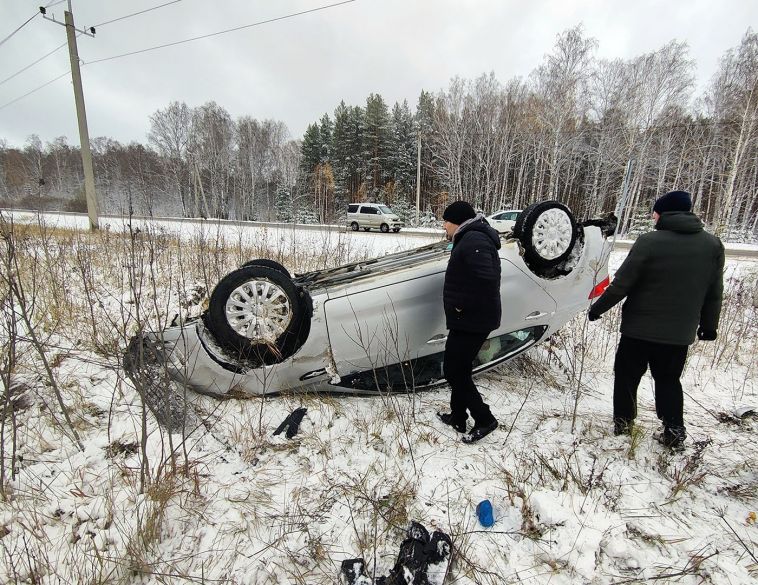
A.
x: 293, y: 236
x: 187, y: 228
x: 112, y: 497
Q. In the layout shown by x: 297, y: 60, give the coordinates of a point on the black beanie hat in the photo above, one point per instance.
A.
x: 458, y: 212
x: 673, y: 201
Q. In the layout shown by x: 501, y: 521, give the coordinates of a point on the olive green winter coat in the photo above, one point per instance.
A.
x: 672, y: 280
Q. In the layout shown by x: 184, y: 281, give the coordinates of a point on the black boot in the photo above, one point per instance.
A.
x: 672, y: 437
x: 479, y: 432
x: 447, y: 418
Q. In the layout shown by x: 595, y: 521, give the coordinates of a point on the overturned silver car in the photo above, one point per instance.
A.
x: 379, y: 325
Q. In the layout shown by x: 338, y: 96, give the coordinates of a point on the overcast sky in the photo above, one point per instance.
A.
x: 296, y: 69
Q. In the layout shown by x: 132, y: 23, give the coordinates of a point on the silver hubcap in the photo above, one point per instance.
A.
x: 551, y: 235
x: 259, y: 310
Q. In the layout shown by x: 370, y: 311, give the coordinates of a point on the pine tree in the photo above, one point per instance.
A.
x: 283, y: 204
x: 401, y: 164
x: 405, y: 210
x: 357, y: 164
x: 326, y: 130
x: 347, y: 161
x: 641, y: 222
x: 341, y: 153
x: 376, y: 144
x: 311, y: 149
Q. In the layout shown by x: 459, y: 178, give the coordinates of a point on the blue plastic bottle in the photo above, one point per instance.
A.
x: 484, y: 512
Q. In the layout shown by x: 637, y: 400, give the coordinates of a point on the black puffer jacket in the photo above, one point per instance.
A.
x: 472, y: 280
x: 672, y: 280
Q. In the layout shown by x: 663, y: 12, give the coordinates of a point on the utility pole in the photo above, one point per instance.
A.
x: 418, y: 176
x: 81, y: 113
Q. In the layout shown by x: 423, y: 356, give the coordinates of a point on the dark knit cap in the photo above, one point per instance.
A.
x: 673, y: 201
x: 458, y: 212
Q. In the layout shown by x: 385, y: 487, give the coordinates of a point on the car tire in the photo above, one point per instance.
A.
x: 269, y: 264
x: 395, y: 230
x: 547, y: 231
x: 273, y: 338
x: 385, y: 228
x: 354, y: 226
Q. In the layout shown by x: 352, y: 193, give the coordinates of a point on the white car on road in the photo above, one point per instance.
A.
x: 503, y: 220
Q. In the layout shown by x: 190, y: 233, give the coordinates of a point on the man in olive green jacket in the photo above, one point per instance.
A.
x: 672, y: 280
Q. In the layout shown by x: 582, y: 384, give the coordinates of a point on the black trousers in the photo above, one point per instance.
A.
x: 460, y: 350
x: 666, y: 362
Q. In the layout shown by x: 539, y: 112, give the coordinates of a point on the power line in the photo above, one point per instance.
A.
x: 19, y: 28
x: 45, y: 56
x: 150, y: 48
x: 28, y: 20
x: 221, y: 32
x: 136, y: 13
x: 35, y: 89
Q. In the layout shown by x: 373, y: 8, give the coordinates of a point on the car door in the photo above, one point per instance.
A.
x: 352, y: 214
x: 496, y: 221
x: 369, y: 216
x: 393, y: 331
x: 524, y: 302
x: 390, y: 319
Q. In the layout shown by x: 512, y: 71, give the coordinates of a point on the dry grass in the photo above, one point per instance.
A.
x: 271, y: 510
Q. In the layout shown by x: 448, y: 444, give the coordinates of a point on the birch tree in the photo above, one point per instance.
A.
x: 169, y: 134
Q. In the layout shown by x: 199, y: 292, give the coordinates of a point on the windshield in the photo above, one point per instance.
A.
x: 384, y: 209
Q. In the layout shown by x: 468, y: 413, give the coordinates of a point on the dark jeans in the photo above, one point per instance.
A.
x: 460, y: 350
x: 666, y: 362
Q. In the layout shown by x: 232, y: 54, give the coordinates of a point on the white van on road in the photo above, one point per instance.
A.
x: 372, y: 215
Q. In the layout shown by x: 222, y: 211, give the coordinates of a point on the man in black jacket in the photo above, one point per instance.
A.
x: 472, y: 309
x: 673, y: 283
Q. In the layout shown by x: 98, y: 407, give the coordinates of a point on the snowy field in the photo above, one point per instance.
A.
x: 95, y: 491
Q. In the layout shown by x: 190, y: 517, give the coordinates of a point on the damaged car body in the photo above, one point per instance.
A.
x: 379, y: 325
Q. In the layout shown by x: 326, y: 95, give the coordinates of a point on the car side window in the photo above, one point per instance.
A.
x: 369, y: 210
x: 352, y: 209
x: 428, y: 369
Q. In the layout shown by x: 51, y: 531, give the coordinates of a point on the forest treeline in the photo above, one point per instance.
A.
x: 569, y: 132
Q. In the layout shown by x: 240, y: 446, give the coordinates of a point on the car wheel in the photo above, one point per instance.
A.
x: 547, y: 231
x: 268, y: 264
x: 385, y: 228
x: 256, y: 312
x: 395, y: 230
x: 354, y: 226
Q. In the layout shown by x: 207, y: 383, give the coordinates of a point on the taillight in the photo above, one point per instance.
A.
x: 600, y: 288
